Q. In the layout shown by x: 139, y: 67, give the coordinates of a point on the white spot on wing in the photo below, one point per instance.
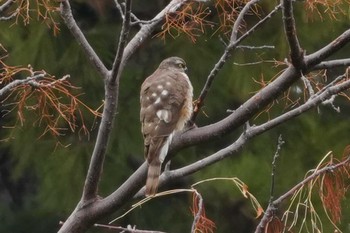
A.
x: 154, y: 94
x: 160, y: 86
x: 164, y: 115
x: 164, y: 92
x: 157, y: 100
x: 168, y: 83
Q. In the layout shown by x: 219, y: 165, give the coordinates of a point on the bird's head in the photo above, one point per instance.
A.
x: 173, y: 63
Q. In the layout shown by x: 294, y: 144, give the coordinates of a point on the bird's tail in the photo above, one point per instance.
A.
x: 153, y: 177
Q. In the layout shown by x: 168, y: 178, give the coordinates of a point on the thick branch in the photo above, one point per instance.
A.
x: 118, y: 198
x: 97, y: 159
x: 254, y: 131
x: 66, y: 13
x: 296, y: 52
x: 319, y: 56
x: 122, y: 42
x: 332, y: 64
x: 240, y: 115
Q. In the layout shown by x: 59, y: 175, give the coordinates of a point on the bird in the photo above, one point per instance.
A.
x: 166, y: 106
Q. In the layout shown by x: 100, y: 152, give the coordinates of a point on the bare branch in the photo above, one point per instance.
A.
x: 120, y: 9
x: 253, y: 131
x: 256, y: 47
x: 7, y: 18
x: 199, y: 213
x: 97, y: 159
x: 319, y: 56
x: 66, y: 13
x: 29, y: 80
x: 240, y: 19
x: 332, y: 64
x: 129, y: 229
x: 280, y: 142
x: 122, y: 42
x: 6, y: 5
x: 272, y: 207
x: 296, y: 52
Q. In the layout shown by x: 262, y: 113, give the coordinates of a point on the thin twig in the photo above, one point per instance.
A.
x: 66, y: 13
x: 308, y: 85
x: 120, y: 9
x: 337, y: 79
x: 115, y: 72
x: 256, y: 47
x: 129, y: 229
x: 197, y: 217
x: 296, y: 52
x: 228, y: 51
x: 280, y: 142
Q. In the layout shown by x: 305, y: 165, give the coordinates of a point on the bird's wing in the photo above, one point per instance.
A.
x: 163, y: 95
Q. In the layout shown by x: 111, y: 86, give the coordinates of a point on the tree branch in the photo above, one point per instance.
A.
x: 129, y: 229
x: 7, y: 18
x: 319, y: 56
x: 29, y: 80
x: 332, y: 64
x: 273, y: 169
x: 6, y: 5
x: 296, y: 52
x: 251, y: 132
x: 97, y: 159
x: 122, y: 42
x: 240, y: 19
x: 66, y: 13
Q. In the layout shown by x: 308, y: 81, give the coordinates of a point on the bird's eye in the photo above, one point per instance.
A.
x: 181, y: 65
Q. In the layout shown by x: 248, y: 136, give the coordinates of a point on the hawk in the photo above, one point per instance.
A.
x: 166, y: 106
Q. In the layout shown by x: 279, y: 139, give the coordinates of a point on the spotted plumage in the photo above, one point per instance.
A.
x: 166, y: 106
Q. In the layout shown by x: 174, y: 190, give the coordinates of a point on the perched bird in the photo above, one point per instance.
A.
x: 166, y: 106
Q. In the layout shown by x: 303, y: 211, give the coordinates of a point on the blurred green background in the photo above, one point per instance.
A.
x: 41, y: 184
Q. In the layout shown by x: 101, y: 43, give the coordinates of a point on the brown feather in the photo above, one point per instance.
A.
x: 154, y: 169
